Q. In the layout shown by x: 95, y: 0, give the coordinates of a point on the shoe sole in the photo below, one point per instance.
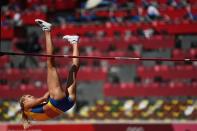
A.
x: 40, y: 22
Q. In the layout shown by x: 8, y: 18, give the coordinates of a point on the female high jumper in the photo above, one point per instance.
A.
x: 58, y: 99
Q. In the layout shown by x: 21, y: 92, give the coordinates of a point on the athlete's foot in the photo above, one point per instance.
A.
x: 73, y: 39
x: 45, y: 25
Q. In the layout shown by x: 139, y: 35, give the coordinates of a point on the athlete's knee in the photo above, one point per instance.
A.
x: 74, y: 68
x: 51, y: 62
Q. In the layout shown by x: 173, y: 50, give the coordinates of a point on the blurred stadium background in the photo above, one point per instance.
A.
x: 112, y: 95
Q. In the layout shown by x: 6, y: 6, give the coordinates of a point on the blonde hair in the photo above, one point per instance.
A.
x: 25, y: 120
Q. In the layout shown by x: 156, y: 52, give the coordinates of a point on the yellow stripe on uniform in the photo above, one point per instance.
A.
x: 54, y: 108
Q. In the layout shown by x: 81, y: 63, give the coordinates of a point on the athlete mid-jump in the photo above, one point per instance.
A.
x: 58, y: 99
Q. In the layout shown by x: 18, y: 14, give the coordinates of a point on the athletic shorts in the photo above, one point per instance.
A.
x: 63, y: 104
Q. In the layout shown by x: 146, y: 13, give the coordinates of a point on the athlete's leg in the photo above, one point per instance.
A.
x: 53, y: 82
x: 71, y: 80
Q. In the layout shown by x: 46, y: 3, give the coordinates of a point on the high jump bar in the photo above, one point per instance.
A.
x: 97, y: 57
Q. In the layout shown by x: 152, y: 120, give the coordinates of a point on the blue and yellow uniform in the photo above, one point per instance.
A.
x: 51, y: 109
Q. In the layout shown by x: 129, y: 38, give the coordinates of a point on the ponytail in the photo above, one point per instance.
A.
x: 25, y: 120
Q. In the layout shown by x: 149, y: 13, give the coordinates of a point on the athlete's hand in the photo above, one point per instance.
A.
x: 46, y: 96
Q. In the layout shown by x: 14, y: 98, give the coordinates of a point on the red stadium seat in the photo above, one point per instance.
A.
x: 5, y: 87
x: 192, y: 2
x: 173, y: 13
x: 158, y: 42
x: 7, y: 32
x: 178, y: 72
x: 182, y: 28
x: 91, y: 74
x: 120, y: 13
x: 49, y: 4
x: 178, y: 54
x: 103, y: 13
x: 63, y: 62
x: 120, y: 2
x: 3, y: 61
x: 24, y: 87
x: 31, y: 3
x: 181, y: 54
x: 185, y: 72
x: 193, y: 53
x: 62, y: 4
x: 150, y: 89
x: 29, y: 17
x: 36, y: 74
x: 144, y: 72
x: 13, y: 74
x: 86, y: 74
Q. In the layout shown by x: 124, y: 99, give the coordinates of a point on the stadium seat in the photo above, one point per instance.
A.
x: 29, y: 17
x: 4, y: 60
x: 7, y: 32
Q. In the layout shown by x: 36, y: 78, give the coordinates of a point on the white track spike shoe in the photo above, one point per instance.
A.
x: 45, y: 25
x: 73, y: 39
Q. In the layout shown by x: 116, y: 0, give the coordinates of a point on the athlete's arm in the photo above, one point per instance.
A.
x: 36, y: 101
